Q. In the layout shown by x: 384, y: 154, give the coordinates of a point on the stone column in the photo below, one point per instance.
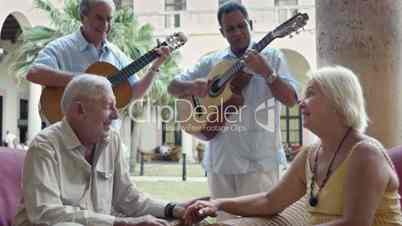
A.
x: 34, y: 120
x: 364, y: 35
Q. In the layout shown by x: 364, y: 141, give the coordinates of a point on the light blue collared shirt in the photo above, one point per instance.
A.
x: 73, y: 53
x: 253, y: 141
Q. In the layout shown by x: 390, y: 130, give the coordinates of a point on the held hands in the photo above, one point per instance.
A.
x: 255, y: 63
x: 180, y: 211
x: 200, y: 210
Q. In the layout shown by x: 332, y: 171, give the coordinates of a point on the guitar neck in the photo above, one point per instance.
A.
x: 259, y: 46
x: 134, y: 67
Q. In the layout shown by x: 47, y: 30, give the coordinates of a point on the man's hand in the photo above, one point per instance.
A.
x: 146, y: 220
x: 164, y: 53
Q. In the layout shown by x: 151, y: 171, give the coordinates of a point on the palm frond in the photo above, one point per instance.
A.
x: 38, y: 34
x: 50, y: 9
x: 144, y: 32
x: 71, y: 8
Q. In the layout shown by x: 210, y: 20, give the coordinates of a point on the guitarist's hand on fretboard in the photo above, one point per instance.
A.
x: 163, y: 53
x: 255, y: 63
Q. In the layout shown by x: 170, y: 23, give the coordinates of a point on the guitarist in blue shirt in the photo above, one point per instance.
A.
x: 70, y: 55
x: 243, y: 158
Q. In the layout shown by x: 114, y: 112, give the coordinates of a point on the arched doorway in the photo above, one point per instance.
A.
x: 291, y: 121
x: 15, y: 94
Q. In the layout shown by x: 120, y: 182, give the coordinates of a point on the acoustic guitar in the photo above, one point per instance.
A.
x: 50, y: 109
x: 205, y: 117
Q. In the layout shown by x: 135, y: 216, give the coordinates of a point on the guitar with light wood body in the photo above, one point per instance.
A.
x: 205, y: 117
x: 50, y: 99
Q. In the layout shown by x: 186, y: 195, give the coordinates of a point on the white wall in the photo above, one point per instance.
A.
x: 306, y: 2
x: 202, y: 5
x: 143, y: 6
x: 258, y: 3
x: 199, y: 45
x: 11, y: 92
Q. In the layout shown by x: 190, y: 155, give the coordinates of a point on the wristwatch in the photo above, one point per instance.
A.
x: 271, y: 78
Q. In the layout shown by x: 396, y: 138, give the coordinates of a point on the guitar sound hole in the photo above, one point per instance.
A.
x: 199, y: 111
x: 215, y: 88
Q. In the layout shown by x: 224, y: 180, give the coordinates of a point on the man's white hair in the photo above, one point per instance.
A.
x: 342, y: 87
x: 84, y: 87
x: 87, y: 5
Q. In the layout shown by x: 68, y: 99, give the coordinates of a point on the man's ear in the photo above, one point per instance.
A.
x: 250, y: 22
x: 222, y: 33
x: 77, y: 109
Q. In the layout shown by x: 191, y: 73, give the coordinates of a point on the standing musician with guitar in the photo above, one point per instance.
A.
x: 70, y: 55
x: 244, y: 158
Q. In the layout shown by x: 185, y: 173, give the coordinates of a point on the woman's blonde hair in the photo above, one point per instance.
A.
x: 342, y: 88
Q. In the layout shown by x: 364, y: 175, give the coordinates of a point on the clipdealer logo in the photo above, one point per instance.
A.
x: 232, y: 115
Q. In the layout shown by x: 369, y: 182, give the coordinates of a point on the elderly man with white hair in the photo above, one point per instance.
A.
x: 74, y: 169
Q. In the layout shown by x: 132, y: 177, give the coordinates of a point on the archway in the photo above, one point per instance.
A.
x: 293, y: 133
x: 14, y: 95
x: 298, y: 65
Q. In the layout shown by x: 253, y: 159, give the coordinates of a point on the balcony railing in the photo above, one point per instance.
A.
x: 204, y: 21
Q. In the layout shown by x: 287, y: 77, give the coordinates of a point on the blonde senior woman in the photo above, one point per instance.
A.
x: 347, y: 175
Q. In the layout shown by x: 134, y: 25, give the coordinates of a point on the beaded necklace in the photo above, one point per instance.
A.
x: 313, y: 200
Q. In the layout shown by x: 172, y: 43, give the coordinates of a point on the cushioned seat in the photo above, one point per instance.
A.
x: 11, y: 163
